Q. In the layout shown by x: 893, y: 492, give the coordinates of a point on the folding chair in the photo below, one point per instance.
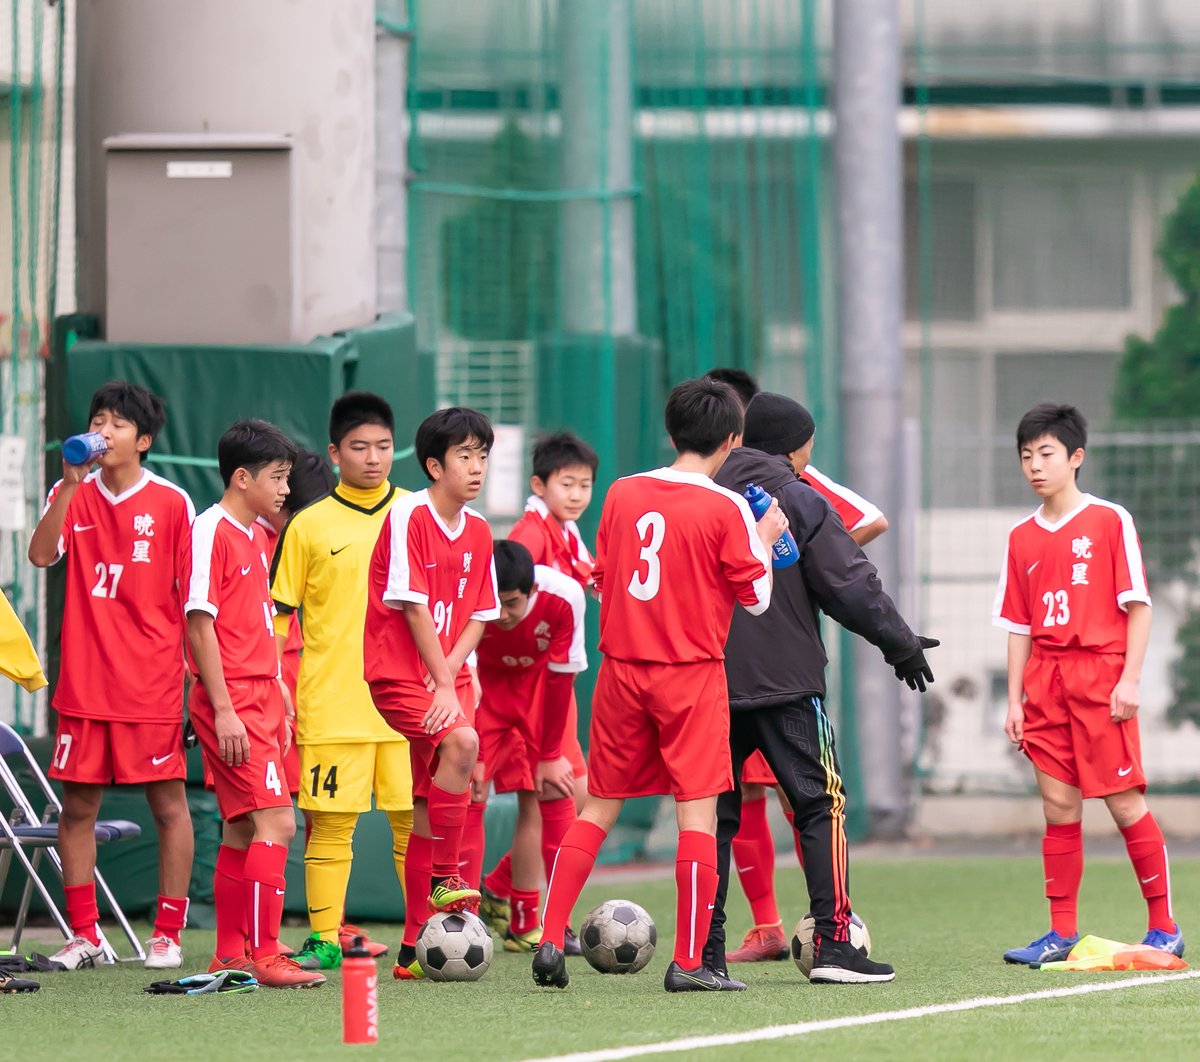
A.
x: 27, y: 832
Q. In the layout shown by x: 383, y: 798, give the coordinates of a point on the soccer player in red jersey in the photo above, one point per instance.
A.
x: 431, y: 588
x: 119, y: 696
x: 1074, y: 599
x: 237, y: 706
x: 675, y: 552
x: 528, y: 660
x: 564, y: 471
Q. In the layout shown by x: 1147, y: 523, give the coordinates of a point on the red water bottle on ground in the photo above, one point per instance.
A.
x: 360, y: 1000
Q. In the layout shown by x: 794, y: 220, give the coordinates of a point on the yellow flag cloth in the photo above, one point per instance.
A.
x: 1096, y: 953
x: 18, y: 661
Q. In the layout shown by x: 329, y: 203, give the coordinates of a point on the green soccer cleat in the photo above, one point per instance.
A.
x: 318, y: 954
x: 452, y: 894
x: 495, y: 911
x: 522, y: 941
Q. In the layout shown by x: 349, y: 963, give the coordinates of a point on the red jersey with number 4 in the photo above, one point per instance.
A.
x: 549, y: 637
x: 228, y: 572
x: 122, y: 627
x: 673, y: 553
x: 853, y: 509
x: 1068, y: 584
x: 418, y: 558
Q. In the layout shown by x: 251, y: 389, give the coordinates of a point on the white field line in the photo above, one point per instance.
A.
x: 804, y: 1028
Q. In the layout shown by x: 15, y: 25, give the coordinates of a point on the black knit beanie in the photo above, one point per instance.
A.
x: 777, y: 424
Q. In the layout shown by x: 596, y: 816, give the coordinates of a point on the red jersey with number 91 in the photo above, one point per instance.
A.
x: 122, y: 628
x: 1068, y: 584
x: 418, y: 558
x: 674, y: 551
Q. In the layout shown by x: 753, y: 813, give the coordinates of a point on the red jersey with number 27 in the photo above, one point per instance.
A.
x: 1068, y: 584
x: 418, y: 558
x: 228, y: 573
x: 674, y: 551
x: 122, y: 628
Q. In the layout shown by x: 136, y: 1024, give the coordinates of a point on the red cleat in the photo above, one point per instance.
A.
x: 275, y: 971
x: 762, y: 944
x: 239, y: 962
x: 349, y: 931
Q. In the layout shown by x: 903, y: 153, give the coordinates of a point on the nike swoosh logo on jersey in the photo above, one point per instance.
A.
x: 1029, y: 570
x: 335, y: 552
x: 279, y: 892
x: 82, y: 527
x: 246, y: 570
x: 158, y: 760
x: 433, y: 565
x: 1123, y: 773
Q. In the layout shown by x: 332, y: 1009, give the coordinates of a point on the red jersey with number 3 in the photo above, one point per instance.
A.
x: 418, y: 558
x: 122, y: 627
x: 228, y: 571
x: 673, y: 553
x: 1068, y: 584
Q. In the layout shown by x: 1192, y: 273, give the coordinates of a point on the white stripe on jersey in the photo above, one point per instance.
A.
x: 554, y: 582
x: 998, y: 604
x: 1138, y: 590
x: 870, y: 512
x: 204, y: 532
x: 398, y: 588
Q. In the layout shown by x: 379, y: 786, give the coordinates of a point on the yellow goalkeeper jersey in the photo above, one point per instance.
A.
x: 320, y: 568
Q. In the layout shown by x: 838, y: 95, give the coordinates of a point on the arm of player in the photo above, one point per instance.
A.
x: 871, y: 531
x: 553, y: 768
x: 1020, y: 646
x: 47, y: 536
x: 232, y: 742
x: 445, y: 706
x: 1125, y: 698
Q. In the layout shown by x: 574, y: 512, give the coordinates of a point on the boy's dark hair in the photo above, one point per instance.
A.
x: 450, y: 427
x: 563, y: 449
x: 514, y: 566
x: 356, y: 408
x: 741, y: 381
x: 252, y: 444
x: 310, y: 480
x: 701, y: 414
x: 133, y: 403
x: 1064, y: 423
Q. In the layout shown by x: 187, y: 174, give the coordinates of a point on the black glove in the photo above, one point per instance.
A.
x: 913, y: 668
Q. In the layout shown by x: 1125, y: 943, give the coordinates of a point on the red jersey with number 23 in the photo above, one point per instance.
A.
x: 418, y: 558
x: 122, y: 628
x: 228, y: 571
x: 1068, y: 584
x: 674, y: 551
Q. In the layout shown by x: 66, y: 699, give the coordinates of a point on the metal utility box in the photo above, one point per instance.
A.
x: 201, y: 239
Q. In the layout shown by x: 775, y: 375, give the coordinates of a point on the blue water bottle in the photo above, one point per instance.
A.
x: 80, y: 449
x: 785, y: 552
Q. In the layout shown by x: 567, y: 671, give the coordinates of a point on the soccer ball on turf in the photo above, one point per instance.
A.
x: 454, y: 946
x: 802, y: 940
x: 618, y: 937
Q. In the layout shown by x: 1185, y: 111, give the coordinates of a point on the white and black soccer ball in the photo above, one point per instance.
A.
x: 618, y: 937
x: 802, y: 940
x: 454, y: 946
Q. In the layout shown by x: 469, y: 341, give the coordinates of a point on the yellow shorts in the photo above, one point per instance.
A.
x: 343, y: 777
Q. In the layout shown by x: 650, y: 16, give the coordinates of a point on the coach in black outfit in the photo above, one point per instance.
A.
x: 775, y: 668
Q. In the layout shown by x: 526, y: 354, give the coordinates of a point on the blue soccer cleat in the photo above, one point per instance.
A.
x: 1164, y: 941
x: 1053, y: 947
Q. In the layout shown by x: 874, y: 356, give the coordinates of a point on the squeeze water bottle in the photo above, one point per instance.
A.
x: 784, y: 553
x: 80, y: 449
x: 360, y: 1000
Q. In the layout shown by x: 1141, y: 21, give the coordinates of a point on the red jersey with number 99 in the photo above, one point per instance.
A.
x: 418, y: 558
x: 673, y: 553
x: 122, y: 627
x: 1068, y: 584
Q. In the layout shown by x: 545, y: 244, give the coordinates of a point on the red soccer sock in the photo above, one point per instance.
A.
x: 1148, y: 854
x: 82, y: 912
x: 574, y: 862
x: 499, y: 881
x: 447, y: 817
x: 557, y: 816
x: 524, y: 911
x: 416, y: 887
x: 696, y: 886
x: 171, y: 916
x: 473, y: 844
x: 229, y: 902
x: 1062, y: 860
x: 754, y: 855
x: 262, y: 889
x: 791, y: 817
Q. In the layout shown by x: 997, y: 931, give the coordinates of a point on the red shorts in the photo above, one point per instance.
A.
x: 1068, y: 732
x: 660, y: 728
x: 756, y: 771
x: 259, y: 782
x: 510, y: 738
x: 403, y: 706
x: 101, y: 751
x: 291, y: 765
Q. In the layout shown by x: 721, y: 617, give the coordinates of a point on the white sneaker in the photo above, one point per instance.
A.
x: 78, y: 953
x: 162, y: 953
